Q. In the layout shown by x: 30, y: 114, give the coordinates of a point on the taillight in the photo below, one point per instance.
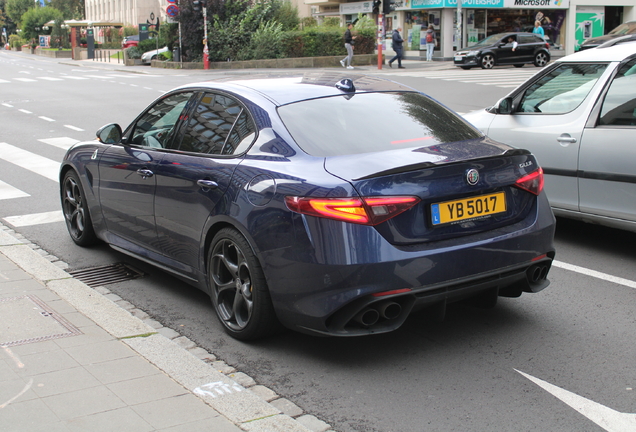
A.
x: 365, y: 211
x: 532, y: 182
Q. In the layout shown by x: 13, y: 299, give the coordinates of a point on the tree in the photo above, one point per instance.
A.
x: 36, y: 18
x: 17, y: 8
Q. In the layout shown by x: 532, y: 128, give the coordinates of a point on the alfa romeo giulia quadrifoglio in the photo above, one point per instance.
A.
x: 332, y: 204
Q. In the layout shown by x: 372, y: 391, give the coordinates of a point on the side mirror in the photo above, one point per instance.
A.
x: 504, y: 106
x: 109, y: 134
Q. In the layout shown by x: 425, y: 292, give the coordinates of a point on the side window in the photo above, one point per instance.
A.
x: 619, y: 106
x: 210, y: 127
x: 156, y: 127
x: 524, y: 39
x: 561, y: 90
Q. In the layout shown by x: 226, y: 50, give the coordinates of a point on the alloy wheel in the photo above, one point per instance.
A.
x: 232, y: 276
x: 75, y: 211
x: 487, y: 61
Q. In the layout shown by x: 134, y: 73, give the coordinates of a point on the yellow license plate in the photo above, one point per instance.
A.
x: 468, y: 208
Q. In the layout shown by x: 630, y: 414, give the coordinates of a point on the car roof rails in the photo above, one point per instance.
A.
x: 619, y: 40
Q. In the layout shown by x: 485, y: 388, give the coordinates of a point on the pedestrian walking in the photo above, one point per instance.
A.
x: 397, y: 47
x: 538, y: 29
x: 431, y: 42
x: 348, y: 39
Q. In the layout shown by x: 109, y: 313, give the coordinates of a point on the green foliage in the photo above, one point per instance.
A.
x: 331, y: 22
x: 307, y: 22
x: 16, y: 41
x: 286, y: 15
x: 265, y: 43
x: 148, y: 45
x: 169, y: 35
x: 38, y: 17
x: 165, y: 56
x: 133, y: 53
x: 17, y: 8
x: 129, y: 31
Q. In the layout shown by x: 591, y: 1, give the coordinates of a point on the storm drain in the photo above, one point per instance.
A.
x: 114, y: 273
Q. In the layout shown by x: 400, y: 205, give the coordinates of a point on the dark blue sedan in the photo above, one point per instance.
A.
x: 330, y: 203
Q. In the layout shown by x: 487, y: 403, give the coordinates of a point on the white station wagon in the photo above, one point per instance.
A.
x: 578, y: 116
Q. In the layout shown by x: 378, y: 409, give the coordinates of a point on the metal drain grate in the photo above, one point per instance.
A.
x: 98, y: 276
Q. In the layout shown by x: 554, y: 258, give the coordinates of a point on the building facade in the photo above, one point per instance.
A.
x: 566, y: 23
x: 129, y: 12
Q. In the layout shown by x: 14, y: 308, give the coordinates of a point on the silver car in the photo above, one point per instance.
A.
x: 578, y: 116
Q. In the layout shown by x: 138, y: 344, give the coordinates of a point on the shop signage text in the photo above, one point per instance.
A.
x: 477, y: 4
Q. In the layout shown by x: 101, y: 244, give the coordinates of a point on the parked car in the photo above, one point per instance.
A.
x: 130, y: 41
x: 578, y: 116
x: 496, y: 50
x: 149, y: 56
x: 332, y: 203
x: 627, y: 28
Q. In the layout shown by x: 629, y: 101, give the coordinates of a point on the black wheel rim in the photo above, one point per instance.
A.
x: 233, y: 285
x: 73, y: 206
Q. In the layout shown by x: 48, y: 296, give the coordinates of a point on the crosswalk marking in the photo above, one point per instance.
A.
x: 35, y: 219
x: 504, y: 78
x: 30, y: 161
x: 9, y: 192
x: 75, y: 77
x: 25, y: 79
x: 50, y: 78
x: 64, y: 143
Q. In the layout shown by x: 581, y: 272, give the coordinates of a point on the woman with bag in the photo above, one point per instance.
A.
x: 431, y: 42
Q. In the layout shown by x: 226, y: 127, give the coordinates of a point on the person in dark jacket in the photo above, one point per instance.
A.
x: 397, y: 47
x: 348, y: 39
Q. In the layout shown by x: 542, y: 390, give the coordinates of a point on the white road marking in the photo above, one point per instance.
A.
x: 4, y: 81
x: 47, y: 119
x: 9, y: 192
x: 7, y: 105
x: 75, y: 77
x: 35, y: 219
x: 62, y: 142
x: 25, y: 111
x: 607, y: 418
x: 30, y: 161
x: 594, y: 273
x: 50, y: 78
x: 75, y: 128
x: 25, y: 79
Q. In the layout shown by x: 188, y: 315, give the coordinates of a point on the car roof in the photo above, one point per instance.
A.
x: 288, y: 88
x: 616, y: 52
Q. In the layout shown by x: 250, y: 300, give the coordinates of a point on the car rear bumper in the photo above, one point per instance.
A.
x: 341, y: 296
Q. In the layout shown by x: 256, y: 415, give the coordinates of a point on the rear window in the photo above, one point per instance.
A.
x: 372, y: 122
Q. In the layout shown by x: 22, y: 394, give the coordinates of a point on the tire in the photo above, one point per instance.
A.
x: 239, y: 291
x: 487, y: 61
x: 541, y: 59
x: 519, y: 65
x: 75, y: 210
x: 465, y: 67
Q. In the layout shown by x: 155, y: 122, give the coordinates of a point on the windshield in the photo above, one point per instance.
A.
x: 372, y: 122
x: 626, y: 28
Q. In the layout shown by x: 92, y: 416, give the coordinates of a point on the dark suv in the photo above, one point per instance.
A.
x: 497, y: 50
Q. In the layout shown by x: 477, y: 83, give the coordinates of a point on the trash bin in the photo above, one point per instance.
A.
x: 176, y: 55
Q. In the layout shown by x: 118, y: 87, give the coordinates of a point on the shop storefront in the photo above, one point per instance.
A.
x: 480, y: 18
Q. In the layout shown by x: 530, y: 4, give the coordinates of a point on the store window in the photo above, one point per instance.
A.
x: 416, y: 23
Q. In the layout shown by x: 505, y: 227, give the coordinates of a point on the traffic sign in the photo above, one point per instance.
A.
x: 172, y: 10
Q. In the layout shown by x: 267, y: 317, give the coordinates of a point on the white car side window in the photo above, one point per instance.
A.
x: 562, y: 90
x: 619, y: 106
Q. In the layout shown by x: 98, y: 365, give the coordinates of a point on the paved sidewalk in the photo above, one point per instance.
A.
x: 71, y: 359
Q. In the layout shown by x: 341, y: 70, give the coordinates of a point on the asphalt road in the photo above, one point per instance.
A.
x: 465, y: 373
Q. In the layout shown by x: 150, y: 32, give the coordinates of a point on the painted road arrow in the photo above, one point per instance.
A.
x: 607, y: 418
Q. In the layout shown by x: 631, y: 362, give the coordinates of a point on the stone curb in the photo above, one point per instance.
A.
x: 233, y: 394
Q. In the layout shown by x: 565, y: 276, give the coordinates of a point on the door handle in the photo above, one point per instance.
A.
x: 208, y: 184
x: 145, y: 173
x: 566, y: 138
